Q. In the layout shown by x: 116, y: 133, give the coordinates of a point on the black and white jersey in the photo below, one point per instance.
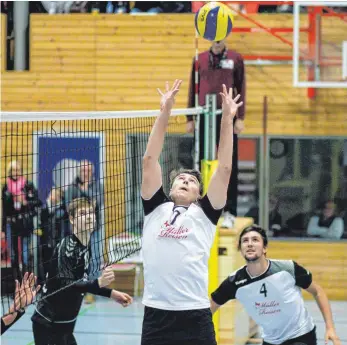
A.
x: 66, y: 283
x: 273, y: 299
x: 176, y: 247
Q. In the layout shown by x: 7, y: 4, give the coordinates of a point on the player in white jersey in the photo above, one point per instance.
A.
x: 178, y: 234
x: 270, y: 291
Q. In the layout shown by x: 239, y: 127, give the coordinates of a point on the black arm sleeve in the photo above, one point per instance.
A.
x: 211, y: 213
x: 156, y: 200
x: 303, y: 277
x: 225, y: 292
x: 4, y: 327
x: 92, y: 286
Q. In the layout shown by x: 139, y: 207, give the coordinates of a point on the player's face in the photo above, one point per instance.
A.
x: 252, y: 246
x: 185, y: 189
x: 329, y: 209
x: 85, y: 220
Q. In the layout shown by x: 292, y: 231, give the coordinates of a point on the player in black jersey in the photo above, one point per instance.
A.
x: 270, y: 291
x: 67, y: 280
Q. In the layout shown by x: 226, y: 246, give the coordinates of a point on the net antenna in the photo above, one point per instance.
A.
x: 324, y: 51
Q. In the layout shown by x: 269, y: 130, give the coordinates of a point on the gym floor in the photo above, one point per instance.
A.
x: 106, y: 323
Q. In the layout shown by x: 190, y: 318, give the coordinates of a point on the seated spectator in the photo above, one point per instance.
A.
x: 275, y: 219
x: 327, y: 225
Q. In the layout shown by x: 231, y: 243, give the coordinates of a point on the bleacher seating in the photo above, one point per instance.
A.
x: 107, y: 62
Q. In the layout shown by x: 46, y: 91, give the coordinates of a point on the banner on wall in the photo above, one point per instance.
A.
x: 56, y: 159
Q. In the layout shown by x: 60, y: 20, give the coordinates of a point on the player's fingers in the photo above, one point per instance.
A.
x: 224, y: 90
x: 167, y: 86
x: 127, y: 300
x: 326, y: 339
x: 34, y: 293
x: 160, y: 93
x: 25, y: 281
x: 31, y: 280
x: 178, y: 84
x: 173, y: 85
x: 223, y: 96
x: 109, y: 277
x: 176, y: 87
x: 230, y: 91
x: 239, y: 104
x: 127, y: 297
x: 237, y: 98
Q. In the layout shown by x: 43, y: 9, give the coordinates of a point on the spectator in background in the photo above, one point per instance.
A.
x: 275, y: 218
x: 327, y: 225
x: 86, y: 186
x: 218, y: 66
x: 54, y: 225
x: 20, y: 204
x: 79, y: 7
x: 53, y: 7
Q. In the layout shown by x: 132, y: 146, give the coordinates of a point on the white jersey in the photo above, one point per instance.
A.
x: 273, y: 299
x: 176, y: 247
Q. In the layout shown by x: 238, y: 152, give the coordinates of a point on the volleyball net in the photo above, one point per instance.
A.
x: 50, y: 159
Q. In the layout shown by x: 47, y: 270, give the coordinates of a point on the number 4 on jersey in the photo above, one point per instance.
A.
x: 263, y: 290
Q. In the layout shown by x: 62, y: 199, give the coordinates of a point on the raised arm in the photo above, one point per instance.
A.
x: 151, y: 170
x: 217, y: 190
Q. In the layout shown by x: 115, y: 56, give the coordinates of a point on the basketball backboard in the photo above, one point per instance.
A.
x: 320, y: 44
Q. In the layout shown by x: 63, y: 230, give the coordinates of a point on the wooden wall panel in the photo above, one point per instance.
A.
x: 109, y: 62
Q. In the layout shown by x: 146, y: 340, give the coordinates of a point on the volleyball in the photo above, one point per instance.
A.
x: 214, y: 21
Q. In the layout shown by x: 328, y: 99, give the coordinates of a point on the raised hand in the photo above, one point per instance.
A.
x: 168, y: 98
x: 25, y: 292
x: 229, y: 105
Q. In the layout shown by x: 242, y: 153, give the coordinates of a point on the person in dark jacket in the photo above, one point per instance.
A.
x: 217, y: 66
x: 67, y: 280
x: 20, y: 203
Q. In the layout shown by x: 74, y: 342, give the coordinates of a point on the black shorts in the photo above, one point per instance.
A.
x: 186, y: 327
x: 309, y: 338
x: 50, y: 334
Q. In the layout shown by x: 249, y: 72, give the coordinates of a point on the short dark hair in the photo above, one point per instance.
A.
x: 194, y: 172
x: 257, y: 229
x: 79, y: 203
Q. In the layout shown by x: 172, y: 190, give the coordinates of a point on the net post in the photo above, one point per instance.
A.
x: 196, y: 97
